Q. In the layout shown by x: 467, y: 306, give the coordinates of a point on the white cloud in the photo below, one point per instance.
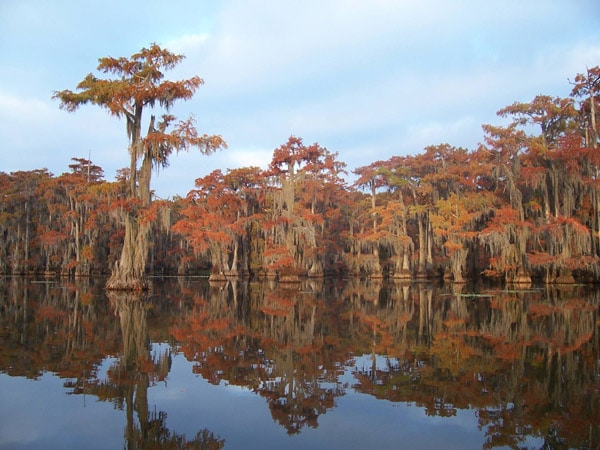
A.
x: 187, y: 43
x: 36, y: 134
x: 14, y: 107
x: 367, y: 79
x: 23, y: 123
x: 258, y: 45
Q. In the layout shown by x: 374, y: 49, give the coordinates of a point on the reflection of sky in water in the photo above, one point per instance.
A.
x: 39, y: 414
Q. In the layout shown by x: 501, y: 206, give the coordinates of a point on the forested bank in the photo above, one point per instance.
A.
x: 523, y: 206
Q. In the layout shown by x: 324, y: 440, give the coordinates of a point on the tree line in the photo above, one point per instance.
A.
x: 523, y: 206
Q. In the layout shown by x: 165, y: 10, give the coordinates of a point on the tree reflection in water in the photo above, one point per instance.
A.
x: 272, y: 343
x: 526, y: 360
x: 135, y: 370
x: 66, y: 332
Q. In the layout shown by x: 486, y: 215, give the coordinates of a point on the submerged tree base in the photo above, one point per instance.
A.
x: 120, y: 281
x: 520, y: 279
x: 288, y: 279
x: 131, y: 285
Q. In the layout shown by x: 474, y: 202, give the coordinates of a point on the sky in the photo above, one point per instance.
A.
x: 366, y: 79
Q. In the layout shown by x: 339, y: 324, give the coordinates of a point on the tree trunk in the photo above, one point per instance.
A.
x: 425, y: 263
x: 457, y: 263
x: 593, y: 112
x: 403, y: 269
x: 376, y: 270
x: 129, y: 272
x: 27, y: 221
x: 233, y: 271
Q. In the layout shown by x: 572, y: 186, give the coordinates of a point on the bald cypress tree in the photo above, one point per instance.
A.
x: 138, y: 84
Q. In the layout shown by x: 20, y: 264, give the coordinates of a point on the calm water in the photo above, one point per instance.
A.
x: 326, y: 364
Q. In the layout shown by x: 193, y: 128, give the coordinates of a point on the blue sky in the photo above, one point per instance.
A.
x: 367, y: 79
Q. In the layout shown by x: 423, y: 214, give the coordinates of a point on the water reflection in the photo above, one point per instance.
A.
x: 526, y: 361
x: 133, y: 373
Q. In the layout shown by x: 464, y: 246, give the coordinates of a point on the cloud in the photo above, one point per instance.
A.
x: 22, y: 121
x: 36, y: 134
x: 366, y: 79
x: 261, y: 46
x: 187, y: 43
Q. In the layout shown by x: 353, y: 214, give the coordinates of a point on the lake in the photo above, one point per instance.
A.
x: 324, y: 364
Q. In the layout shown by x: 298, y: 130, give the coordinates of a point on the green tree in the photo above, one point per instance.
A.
x: 138, y: 85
